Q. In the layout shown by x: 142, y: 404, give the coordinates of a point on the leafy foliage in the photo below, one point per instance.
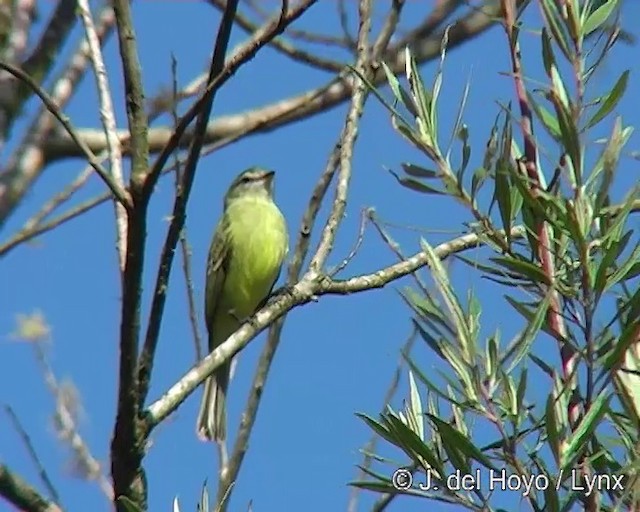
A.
x: 564, y: 246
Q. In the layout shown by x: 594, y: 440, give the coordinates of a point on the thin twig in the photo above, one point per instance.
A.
x: 365, y: 214
x: 282, y: 46
x: 26, y: 439
x: 120, y: 194
x: 282, y: 112
x: 348, y: 137
x: 302, y: 35
x: 108, y: 118
x: 184, y: 243
x: 30, y: 157
x: 395, y: 248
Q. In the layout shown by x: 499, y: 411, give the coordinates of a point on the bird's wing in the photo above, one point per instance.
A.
x: 217, y: 262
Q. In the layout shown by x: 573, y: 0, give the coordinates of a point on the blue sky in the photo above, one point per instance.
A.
x: 337, y: 356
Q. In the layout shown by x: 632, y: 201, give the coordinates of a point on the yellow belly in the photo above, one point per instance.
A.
x: 259, y: 244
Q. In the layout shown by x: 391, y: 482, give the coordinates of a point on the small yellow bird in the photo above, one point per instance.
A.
x: 245, y: 258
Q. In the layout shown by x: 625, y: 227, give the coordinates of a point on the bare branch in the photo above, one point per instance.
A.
x: 302, y: 35
x: 42, y: 472
x: 289, y: 110
x: 348, y: 138
x: 127, y: 445
x: 108, y: 118
x: 19, y: 493
x: 309, y: 288
x: 30, y: 158
x: 282, y: 46
x: 118, y: 191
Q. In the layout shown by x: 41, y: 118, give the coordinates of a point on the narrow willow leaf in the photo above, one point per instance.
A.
x: 413, y: 446
x: 523, y: 345
x: 555, y: 23
x: 522, y: 388
x: 598, y: 17
x: 463, y: 443
x: 503, y: 193
x: 420, y: 95
x: 628, y: 336
x: 525, y: 268
x: 415, y: 402
x: 610, y: 256
x: 416, y: 185
x: 582, y: 433
x: 548, y: 58
x: 393, y: 81
x: 620, y: 273
x: 542, y: 365
x: 396, y: 115
x: 551, y: 499
x: 551, y: 425
x: 609, y: 102
x: 418, y: 172
x: 439, y: 273
x: 378, y: 427
x: 204, y: 498
x: 549, y: 121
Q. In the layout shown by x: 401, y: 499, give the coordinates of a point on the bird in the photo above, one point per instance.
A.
x: 245, y: 259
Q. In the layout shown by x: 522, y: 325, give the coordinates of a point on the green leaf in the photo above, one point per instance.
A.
x: 378, y: 427
x: 413, y: 446
x: 614, y: 250
x: 525, y: 268
x: 620, y: 274
x: 548, y: 58
x: 598, y: 17
x: 551, y: 426
x: 416, y: 185
x: 415, y: 404
x: 523, y: 346
x: 446, y: 290
x: 582, y: 433
x: 609, y: 102
x: 542, y: 365
x: 418, y: 172
x: 555, y: 22
x: 549, y: 121
x: 460, y: 441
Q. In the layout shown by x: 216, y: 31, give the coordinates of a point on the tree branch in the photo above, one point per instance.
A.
x: 20, y: 494
x: 127, y: 445
x: 306, y: 290
x: 119, y: 193
x: 290, y: 110
x: 29, y: 159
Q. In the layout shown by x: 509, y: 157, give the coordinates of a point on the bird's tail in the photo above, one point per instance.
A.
x: 212, y: 417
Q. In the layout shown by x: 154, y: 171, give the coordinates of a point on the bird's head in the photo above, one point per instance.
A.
x: 254, y: 181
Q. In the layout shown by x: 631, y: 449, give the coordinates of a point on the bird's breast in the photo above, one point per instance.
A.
x: 259, y: 244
